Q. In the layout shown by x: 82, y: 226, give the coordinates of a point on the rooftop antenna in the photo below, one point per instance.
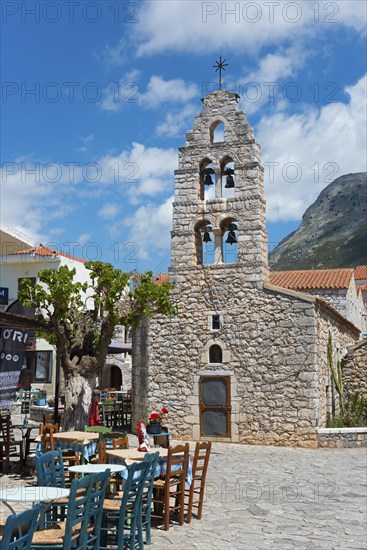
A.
x: 219, y: 66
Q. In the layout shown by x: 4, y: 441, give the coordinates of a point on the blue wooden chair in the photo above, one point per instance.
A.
x: 50, y: 469
x: 81, y: 530
x: 50, y: 473
x: 19, y: 529
x: 123, y: 515
x: 146, y: 501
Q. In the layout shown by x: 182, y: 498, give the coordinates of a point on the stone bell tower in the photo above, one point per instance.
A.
x: 210, y: 167
x: 243, y: 360
x: 195, y: 363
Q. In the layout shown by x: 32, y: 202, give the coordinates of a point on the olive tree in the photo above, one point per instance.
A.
x: 82, y: 328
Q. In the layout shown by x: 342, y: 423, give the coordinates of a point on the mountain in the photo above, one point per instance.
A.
x: 333, y: 231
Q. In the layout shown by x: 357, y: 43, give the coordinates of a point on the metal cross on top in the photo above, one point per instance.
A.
x: 219, y: 65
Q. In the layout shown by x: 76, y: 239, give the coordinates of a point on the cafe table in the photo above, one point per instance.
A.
x: 96, y: 468
x: 80, y: 442
x: 127, y: 456
x: 29, y: 494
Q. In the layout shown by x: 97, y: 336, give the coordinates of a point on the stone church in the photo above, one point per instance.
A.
x: 244, y: 360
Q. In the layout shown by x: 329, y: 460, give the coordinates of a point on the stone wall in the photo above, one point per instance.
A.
x: 354, y: 368
x: 270, y: 343
x: 342, y: 437
x: 342, y: 335
x: 140, y: 373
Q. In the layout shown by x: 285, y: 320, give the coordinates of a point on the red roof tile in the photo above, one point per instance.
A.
x: 160, y: 278
x: 45, y: 251
x: 312, y: 279
x: 360, y: 272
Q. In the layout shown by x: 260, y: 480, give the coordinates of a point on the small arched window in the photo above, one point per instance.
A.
x: 217, y: 132
x: 215, y: 354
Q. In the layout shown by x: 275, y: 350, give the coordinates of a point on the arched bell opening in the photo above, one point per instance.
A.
x: 229, y: 229
x: 207, y: 180
x: 204, y: 243
x: 228, y: 178
x: 217, y: 132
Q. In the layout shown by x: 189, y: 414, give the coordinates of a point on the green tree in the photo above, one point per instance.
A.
x: 80, y: 319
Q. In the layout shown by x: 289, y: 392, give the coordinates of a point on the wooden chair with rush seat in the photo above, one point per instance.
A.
x: 171, y: 486
x: 195, y: 494
x: 19, y: 529
x: 82, y: 527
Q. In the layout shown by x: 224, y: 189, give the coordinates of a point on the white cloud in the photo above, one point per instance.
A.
x: 56, y: 190
x: 122, y: 92
x: 150, y: 227
x: 83, y: 238
x: 204, y: 27
x: 114, y: 55
x: 158, y: 92
x: 261, y: 86
x: 140, y: 172
x: 108, y: 211
x: 177, y: 122
x: 317, y: 146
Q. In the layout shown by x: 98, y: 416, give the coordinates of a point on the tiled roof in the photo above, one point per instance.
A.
x: 360, y: 272
x: 160, y: 278
x: 362, y: 288
x: 312, y: 279
x: 45, y: 251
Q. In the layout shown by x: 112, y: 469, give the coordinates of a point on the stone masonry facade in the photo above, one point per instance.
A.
x: 354, y: 368
x: 272, y: 341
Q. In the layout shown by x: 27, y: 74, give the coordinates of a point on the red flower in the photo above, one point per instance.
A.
x: 154, y: 416
x: 164, y: 410
x: 19, y: 385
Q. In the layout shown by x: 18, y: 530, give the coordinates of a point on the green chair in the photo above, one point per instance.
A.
x: 81, y: 530
x: 19, y: 529
x: 98, y: 429
x: 123, y: 515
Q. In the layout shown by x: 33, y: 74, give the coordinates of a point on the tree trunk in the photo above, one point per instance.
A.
x: 78, y: 398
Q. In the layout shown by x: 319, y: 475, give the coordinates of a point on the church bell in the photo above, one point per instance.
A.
x: 206, y: 237
x: 208, y: 180
x: 231, y: 239
x: 230, y: 182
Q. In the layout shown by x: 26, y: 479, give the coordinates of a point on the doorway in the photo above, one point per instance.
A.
x: 116, y: 377
x: 215, y: 406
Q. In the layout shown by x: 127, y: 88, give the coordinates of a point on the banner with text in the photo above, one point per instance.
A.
x: 12, y: 345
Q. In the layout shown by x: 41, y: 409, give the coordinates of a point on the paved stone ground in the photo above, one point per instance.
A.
x: 273, y: 498
x: 278, y: 498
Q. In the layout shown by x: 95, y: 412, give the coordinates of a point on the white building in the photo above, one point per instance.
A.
x: 22, y: 261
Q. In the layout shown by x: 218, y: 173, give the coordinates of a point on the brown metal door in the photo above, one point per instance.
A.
x: 215, y: 406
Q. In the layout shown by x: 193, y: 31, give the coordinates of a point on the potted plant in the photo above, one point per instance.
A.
x: 51, y: 402
x: 154, y: 426
x: 39, y: 397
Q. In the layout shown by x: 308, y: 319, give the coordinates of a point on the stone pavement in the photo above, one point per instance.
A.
x: 274, y: 498
x: 278, y: 498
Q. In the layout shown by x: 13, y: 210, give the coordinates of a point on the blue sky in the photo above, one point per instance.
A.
x: 97, y: 96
